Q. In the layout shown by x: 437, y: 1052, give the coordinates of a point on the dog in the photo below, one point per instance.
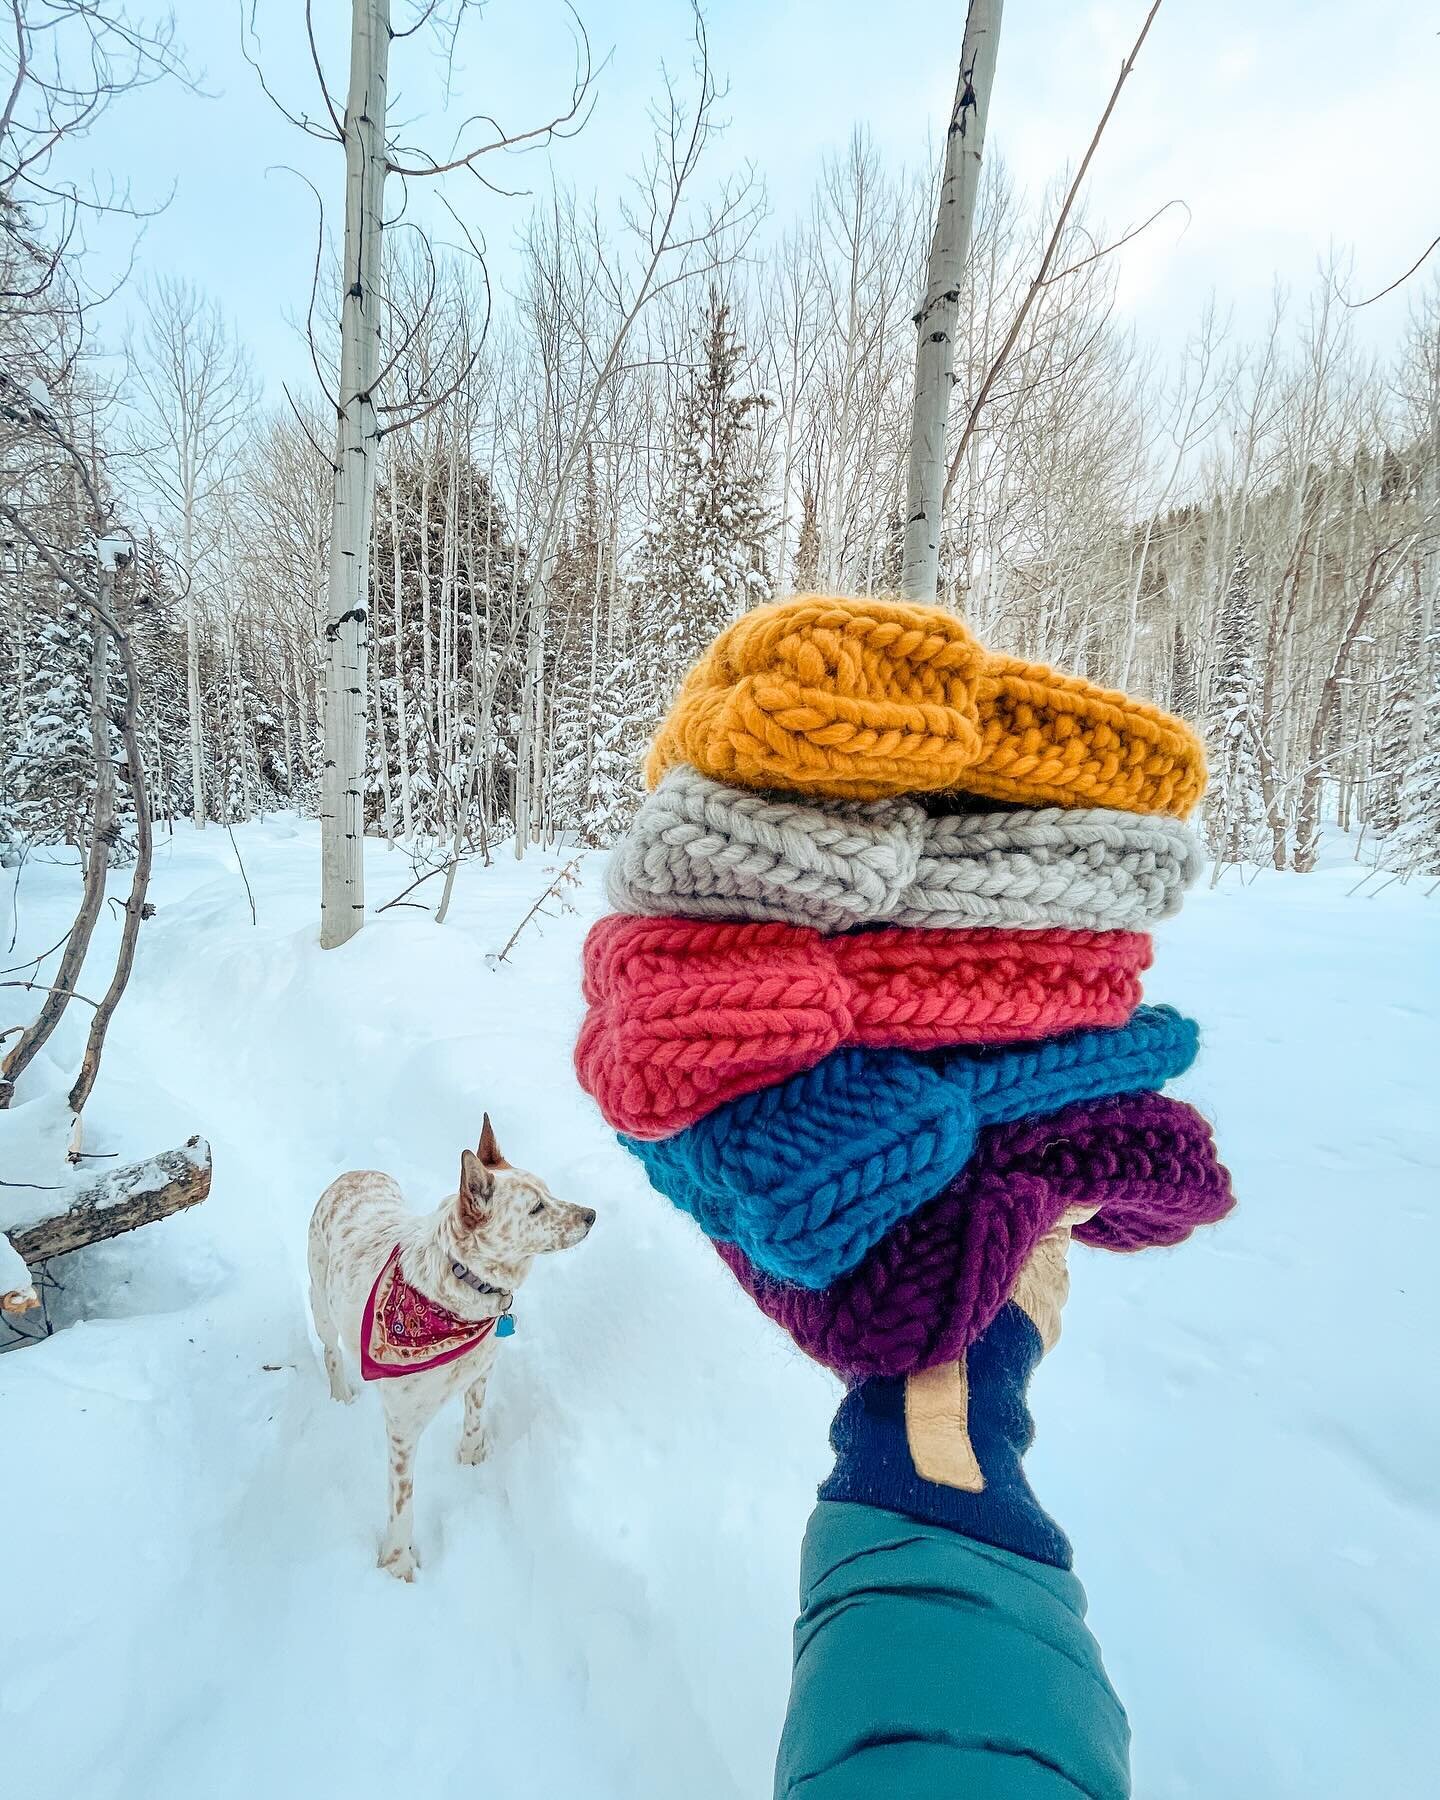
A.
x: 423, y: 1300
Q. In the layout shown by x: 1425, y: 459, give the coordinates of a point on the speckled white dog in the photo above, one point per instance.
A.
x: 421, y: 1301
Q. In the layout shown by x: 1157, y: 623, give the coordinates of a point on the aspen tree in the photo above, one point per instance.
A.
x: 935, y: 322
x: 342, y: 805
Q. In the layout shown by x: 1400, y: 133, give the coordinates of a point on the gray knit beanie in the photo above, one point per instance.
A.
x: 700, y: 848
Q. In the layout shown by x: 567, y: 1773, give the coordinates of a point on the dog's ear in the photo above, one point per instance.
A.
x: 489, y: 1150
x: 477, y: 1185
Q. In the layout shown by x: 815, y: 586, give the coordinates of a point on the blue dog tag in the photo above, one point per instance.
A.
x: 505, y: 1326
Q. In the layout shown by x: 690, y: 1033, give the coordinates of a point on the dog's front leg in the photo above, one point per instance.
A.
x: 397, y: 1552
x: 474, y: 1438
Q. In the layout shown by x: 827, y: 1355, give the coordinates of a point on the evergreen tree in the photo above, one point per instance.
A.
x: 49, y: 779
x: 1414, y: 846
x: 248, y: 773
x: 159, y: 648
x: 1392, y: 737
x: 1234, y: 812
x: 1416, y: 843
x: 577, y: 657
x: 49, y: 776
x: 619, y: 727
x: 704, y: 564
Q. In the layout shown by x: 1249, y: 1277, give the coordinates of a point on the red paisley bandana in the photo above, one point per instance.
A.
x: 402, y: 1331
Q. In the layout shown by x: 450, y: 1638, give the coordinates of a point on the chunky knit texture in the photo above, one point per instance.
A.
x: 685, y: 1015
x: 808, y: 1175
x: 702, y: 848
x: 933, y: 1283
x: 859, y: 699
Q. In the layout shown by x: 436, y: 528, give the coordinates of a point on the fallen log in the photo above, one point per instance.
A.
x: 126, y: 1198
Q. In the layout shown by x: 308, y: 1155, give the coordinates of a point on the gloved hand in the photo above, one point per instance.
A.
x: 945, y: 1444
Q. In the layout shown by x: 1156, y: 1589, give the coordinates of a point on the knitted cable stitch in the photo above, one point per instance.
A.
x: 858, y: 699
x: 806, y: 1176
x: 685, y: 1015
x: 935, y: 1282
x: 703, y: 849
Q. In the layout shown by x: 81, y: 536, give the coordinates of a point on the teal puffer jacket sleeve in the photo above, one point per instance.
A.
x: 930, y: 1666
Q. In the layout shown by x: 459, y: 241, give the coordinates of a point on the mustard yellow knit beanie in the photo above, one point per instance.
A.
x: 860, y: 699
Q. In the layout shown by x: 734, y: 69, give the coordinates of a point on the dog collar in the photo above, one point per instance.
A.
x: 471, y: 1280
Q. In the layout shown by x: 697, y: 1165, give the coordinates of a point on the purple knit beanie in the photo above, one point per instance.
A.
x: 936, y: 1280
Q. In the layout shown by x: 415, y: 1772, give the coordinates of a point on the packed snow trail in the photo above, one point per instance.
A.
x: 1230, y: 1431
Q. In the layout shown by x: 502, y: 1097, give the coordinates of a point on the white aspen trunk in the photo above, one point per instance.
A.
x: 935, y: 323
x: 342, y: 807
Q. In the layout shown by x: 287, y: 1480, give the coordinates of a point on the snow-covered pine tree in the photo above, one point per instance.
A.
x: 1233, y: 812
x: 620, y: 725
x: 159, y: 642
x: 1414, y: 845
x: 49, y: 778
x: 249, y: 774
x: 1393, y: 737
x: 704, y: 563
x: 12, y: 682
x: 577, y: 655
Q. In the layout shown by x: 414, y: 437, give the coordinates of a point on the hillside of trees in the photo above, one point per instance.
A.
x: 1249, y: 533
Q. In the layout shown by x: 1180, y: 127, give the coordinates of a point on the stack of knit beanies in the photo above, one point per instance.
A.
x: 869, y: 1006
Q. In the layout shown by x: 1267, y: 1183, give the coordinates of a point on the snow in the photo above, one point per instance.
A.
x: 113, y: 552
x: 14, y: 1276
x: 1237, y: 1434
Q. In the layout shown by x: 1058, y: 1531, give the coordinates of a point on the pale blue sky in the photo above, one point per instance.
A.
x: 1284, y: 124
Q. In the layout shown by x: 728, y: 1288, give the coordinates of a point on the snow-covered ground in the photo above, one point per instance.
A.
x: 1238, y: 1434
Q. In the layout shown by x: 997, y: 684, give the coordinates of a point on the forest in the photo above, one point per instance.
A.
x: 685, y: 406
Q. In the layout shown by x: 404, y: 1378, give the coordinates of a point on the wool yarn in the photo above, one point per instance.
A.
x: 686, y: 1014
x: 859, y: 699
x: 808, y: 1175
x: 936, y: 1280
x: 703, y: 849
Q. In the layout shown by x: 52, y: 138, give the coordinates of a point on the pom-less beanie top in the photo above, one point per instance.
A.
x: 808, y: 1175
x: 860, y: 699
x: 685, y: 1014
x: 702, y: 848
x: 935, y: 1282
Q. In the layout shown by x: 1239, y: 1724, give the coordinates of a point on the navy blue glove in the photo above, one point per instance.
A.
x: 945, y: 1444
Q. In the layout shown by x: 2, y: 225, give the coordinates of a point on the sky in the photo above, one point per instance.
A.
x: 1285, y: 127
